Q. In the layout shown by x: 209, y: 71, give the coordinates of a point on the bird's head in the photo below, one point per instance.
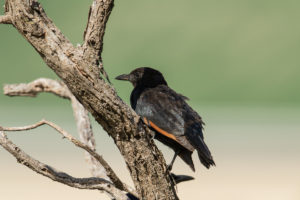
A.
x: 144, y: 76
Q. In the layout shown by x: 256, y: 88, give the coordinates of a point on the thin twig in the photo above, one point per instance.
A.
x: 48, y: 171
x: 67, y: 135
x: 97, y: 167
x: 39, y: 85
x: 86, y: 136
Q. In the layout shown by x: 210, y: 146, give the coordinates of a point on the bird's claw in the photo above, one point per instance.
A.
x: 169, y: 168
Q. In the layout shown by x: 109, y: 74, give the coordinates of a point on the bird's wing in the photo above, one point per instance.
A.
x: 193, y: 132
x: 165, y: 111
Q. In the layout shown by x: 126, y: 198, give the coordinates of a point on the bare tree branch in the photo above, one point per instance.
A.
x: 81, y: 75
x: 5, y: 19
x: 81, y: 115
x: 67, y: 135
x: 86, y: 135
x: 93, y: 35
x: 40, y: 85
x: 50, y: 172
x: 98, y: 169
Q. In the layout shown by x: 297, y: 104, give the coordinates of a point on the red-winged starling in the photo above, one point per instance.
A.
x: 166, y: 112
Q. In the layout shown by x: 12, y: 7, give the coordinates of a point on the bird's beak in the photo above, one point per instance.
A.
x: 124, y: 77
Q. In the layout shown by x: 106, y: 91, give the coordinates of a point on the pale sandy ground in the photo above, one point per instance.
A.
x: 257, y: 152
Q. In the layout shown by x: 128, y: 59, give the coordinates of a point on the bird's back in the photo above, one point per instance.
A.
x: 168, y: 111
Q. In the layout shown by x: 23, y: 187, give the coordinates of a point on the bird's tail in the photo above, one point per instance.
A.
x: 205, y: 156
x: 180, y: 178
x: 186, y: 156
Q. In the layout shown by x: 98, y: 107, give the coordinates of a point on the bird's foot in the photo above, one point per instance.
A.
x: 169, y: 167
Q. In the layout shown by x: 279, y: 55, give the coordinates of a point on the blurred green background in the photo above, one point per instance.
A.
x: 212, y: 51
x: 238, y: 62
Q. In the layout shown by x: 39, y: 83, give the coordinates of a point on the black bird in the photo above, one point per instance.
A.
x: 176, y: 124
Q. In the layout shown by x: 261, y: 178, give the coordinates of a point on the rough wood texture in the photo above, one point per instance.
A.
x: 5, y: 19
x: 81, y: 74
x: 94, y: 32
x: 50, y: 172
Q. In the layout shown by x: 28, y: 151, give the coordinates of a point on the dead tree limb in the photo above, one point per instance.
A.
x: 48, y: 171
x: 5, y: 19
x: 94, y: 32
x: 33, y: 88
x: 80, y: 113
x: 81, y: 75
x: 99, y: 167
x: 86, y: 135
x: 110, y: 173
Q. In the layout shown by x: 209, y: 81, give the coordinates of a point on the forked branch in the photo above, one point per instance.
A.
x: 79, y: 144
x: 50, y: 172
x: 83, y: 123
x: 78, y: 68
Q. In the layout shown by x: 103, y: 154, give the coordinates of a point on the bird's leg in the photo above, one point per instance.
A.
x: 173, y: 160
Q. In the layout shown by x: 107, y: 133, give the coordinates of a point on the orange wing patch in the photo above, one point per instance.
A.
x: 165, y: 133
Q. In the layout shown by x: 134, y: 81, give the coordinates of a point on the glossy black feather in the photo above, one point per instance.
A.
x: 153, y: 99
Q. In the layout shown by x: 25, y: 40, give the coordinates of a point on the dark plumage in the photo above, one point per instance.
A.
x: 176, y: 124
